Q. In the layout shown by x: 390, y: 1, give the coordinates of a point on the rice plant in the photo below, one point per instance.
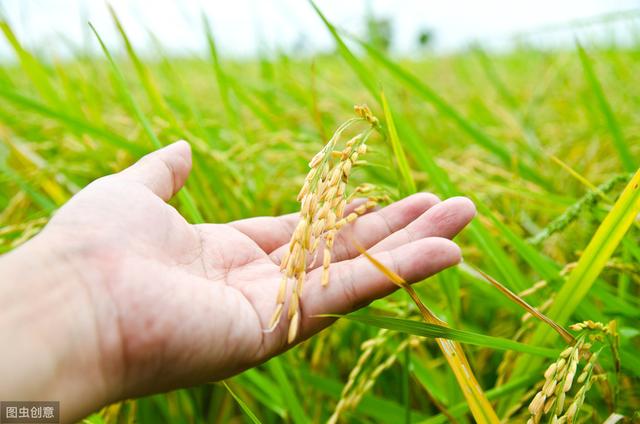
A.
x: 546, y: 143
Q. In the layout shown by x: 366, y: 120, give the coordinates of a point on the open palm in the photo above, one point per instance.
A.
x: 176, y: 304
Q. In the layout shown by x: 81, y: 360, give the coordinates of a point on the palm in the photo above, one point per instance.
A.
x: 190, y: 303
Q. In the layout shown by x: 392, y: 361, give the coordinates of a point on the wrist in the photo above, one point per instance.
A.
x: 49, y: 326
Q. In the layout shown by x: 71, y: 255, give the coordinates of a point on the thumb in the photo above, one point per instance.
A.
x: 164, y: 171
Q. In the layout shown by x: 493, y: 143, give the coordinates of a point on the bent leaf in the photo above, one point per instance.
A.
x: 478, y: 403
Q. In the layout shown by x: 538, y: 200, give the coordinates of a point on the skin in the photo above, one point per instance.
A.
x: 119, y: 296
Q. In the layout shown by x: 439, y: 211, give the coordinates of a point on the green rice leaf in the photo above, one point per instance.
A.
x: 407, y: 186
x: 363, y: 73
x: 626, y: 158
x: 153, y: 93
x: 423, y: 329
x: 245, y: 408
x: 292, y: 402
x: 221, y: 77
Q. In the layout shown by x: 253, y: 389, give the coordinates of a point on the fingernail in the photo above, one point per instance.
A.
x: 179, y: 141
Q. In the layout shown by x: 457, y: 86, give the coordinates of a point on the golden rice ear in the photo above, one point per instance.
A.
x: 549, y: 402
x: 323, y: 199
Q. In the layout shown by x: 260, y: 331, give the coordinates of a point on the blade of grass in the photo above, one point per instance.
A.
x: 427, y: 376
x: 183, y: 195
x: 445, y: 108
x: 407, y: 186
x: 122, y: 83
x: 424, y: 158
x: 221, y: 77
x: 263, y: 390
x: 545, y: 266
x: 215, y: 180
x: 292, y: 402
x: 493, y: 76
x: 406, y: 385
x: 153, y: 93
x: 180, y: 92
x: 449, y: 282
x: 185, y: 407
x: 507, y: 269
x: 363, y: 73
x: 70, y: 94
x: 5, y: 79
x: 439, y: 331
x: 532, y: 145
x: 626, y: 158
x: 245, y: 408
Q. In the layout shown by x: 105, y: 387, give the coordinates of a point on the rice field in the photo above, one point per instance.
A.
x: 545, y: 307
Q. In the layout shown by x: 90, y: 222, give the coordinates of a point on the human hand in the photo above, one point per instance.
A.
x: 153, y: 303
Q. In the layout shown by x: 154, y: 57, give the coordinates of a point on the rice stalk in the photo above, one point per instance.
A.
x: 361, y: 377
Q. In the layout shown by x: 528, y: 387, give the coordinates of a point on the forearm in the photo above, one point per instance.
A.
x: 49, y: 342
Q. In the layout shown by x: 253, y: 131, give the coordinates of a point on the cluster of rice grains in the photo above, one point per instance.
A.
x: 377, y: 356
x: 560, y: 376
x: 323, y: 199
